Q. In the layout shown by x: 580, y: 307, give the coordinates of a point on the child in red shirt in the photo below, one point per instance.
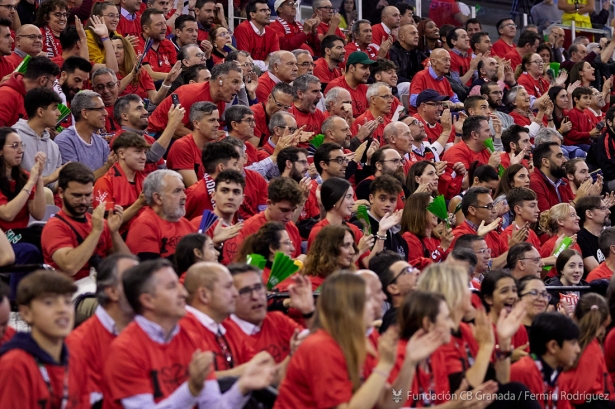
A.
x: 36, y: 369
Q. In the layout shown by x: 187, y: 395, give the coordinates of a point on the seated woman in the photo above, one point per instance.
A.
x: 333, y: 249
x: 532, y: 290
x: 558, y: 222
x: 220, y: 38
x: 515, y: 175
x: 569, y: 265
x: 530, y: 75
x: 140, y: 83
x: 423, y: 177
x: 417, y: 228
x: 191, y: 249
x: 518, y: 101
x: 100, y: 28
x: 589, y: 375
x: 499, y: 292
x: 478, y: 175
x: 271, y: 238
x: 51, y: 18
x: 583, y: 72
x: 335, y: 366
x: 562, y: 102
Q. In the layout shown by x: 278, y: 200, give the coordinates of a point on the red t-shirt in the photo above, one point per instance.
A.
x: 91, y: 342
x: 358, y: 97
x: 20, y: 221
x: 262, y: 122
x: 149, y: 166
x: 251, y: 226
x: 292, y: 36
x: 601, y: 272
x: 151, y: 234
x: 323, y: 28
x: 317, y: 376
x: 461, y: 152
x: 547, y: 250
x: 188, y: 94
x: 151, y: 368
x: 533, y: 87
x: 254, y: 155
x: 129, y: 28
x: 58, y: 235
x: 492, y: 239
x: 526, y: 371
x: 233, y: 337
x: 371, y: 50
x: 114, y: 186
x: 500, y: 48
x: 258, y: 46
x: 324, y: 73
x: 532, y: 238
x: 264, y: 87
x: 160, y: 59
x: 198, y: 197
x: 8, y: 334
x: 514, y: 57
x: 142, y: 86
x: 185, y: 155
x: 443, y: 11
x: 461, y: 65
x: 22, y: 385
x: 590, y: 377
x: 609, y: 352
x: 312, y: 122
x: 379, y: 35
x: 274, y: 336
x: 365, y: 118
x: 255, y: 194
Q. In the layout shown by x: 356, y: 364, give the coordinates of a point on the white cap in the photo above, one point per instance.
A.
x: 277, y: 4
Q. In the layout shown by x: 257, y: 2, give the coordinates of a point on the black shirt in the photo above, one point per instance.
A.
x: 589, y: 246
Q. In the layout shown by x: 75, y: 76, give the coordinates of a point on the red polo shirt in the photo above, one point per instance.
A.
x: 371, y: 50
x: 500, y: 49
x: 365, y: 118
x: 379, y: 34
x: 258, y: 46
x: 492, y: 239
x: 262, y: 122
x: 546, y: 192
x: 461, y: 152
x: 582, y: 124
x: 601, y: 272
x: 460, y: 64
x: 264, y: 87
x: 312, y: 122
x: 536, y: 88
x: 526, y: 371
x: 423, y: 80
x: 514, y: 57
x: 292, y: 36
x: 188, y: 95
x: 142, y: 87
x: 358, y: 97
x: 129, y: 28
x: 324, y: 73
x: 434, y: 131
x: 160, y: 59
x: 185, y: 155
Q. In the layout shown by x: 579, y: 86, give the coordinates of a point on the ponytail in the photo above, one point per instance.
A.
x: 590, y: 314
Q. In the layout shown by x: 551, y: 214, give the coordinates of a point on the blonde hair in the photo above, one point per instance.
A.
x: 130, y: 60
x: 447, y: 279
x: 339, y: 311
x: 549, y: 218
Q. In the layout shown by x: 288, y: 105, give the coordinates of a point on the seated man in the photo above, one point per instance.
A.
x: 158, y: 229
x: 240, y: 124
x: 137, y: 377
x: 280, y: 99
x: 306, y: 90
x: 385, y: 161
x: 380, y: 98
x: 254, y: 36
x: 81, y: 142
x: 41, y: 105
x: 524, y: 260
x: 123, y: 183
x: 74, y: 241
x: 92, y: 340
x: 273, y: 332
x: 105, y: 83
x: 605, y: 270
x: 161, y: 57
x: 285, y: 196
x: 328, y: 67
x: 282, y: 68
x: 218, y: 156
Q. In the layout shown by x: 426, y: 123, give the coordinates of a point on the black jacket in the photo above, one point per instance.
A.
x: 394, y: 242
x: 408, y: 62
x: 602, y: 154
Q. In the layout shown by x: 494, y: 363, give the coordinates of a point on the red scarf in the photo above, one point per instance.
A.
x: 210, y: 185
x: 287, y: 27
x: 50, y: 41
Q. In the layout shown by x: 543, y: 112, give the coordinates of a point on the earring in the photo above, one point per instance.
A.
x: 220, y: 82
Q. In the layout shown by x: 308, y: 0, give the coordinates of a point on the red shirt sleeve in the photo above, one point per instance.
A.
x: 180, y: 156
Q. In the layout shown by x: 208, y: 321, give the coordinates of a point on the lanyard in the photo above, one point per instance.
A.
x: 469, y: 359
x: 431, y: 386
x: 551, y: 390
x: 47, y: 380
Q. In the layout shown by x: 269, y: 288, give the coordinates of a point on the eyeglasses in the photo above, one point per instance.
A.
x: 541, y: 62
x: 31, y: 36
x: 246, y: 65
x: 101, y: 87
x: 249, y: 121
x: 286, y: 243
x: 290, y: 3
x: 224, y: 34
x: 434, y: 104
x: 291, y: 129
x: 387, y: 97
x: 112, y: 16
x: 488, y: 207
x: 99, y: 109
x: 406, y: 270
x: 59, y: 15
x: 535, y: 294
x: 326, y: 8
x: 484, y: 251
x: 17, y: 145
x: 510, y: 25
x: 199, y: 55
x: 341, y: 160
x: 534, y: 259
x: 396, y: 162
x: 246, y: 292
x: 304, y: 162
x: 307, y: 64
x: 8, y: 6
x: 285, y: 107
x: 603, y: 208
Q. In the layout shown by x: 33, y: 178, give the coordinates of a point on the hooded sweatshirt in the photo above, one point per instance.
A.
x: 29, y: 376
x: 33, y: 144
x: 11, y: 103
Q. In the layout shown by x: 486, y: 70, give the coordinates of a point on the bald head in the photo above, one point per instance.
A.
x: 391, y: 16
x: 29, y: 40
x: 373, y: 283
x: 440, y: 61
x: 204, y: 274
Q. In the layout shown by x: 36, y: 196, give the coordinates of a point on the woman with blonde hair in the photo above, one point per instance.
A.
x: 558, y: 222
x: 100, y: 28
x: 328, y: 367
x: 139, y: 83
x: 473, y: 348
x: 589, y: 375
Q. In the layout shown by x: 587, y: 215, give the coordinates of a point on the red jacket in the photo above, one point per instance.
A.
x: 546, y: 193
x: 582, y: 124
x: 11, y: 103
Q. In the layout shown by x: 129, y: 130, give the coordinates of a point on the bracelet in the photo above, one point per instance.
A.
x: 104, y: 38
x: 499, y: 354
x: 308, y: 315
x: 380, y: 372
x: 191, y: 10
x: 381, y: 237
x: 458, y: 134
x: 26, y: 190
x: 165, y: 86
x: 550, y: 119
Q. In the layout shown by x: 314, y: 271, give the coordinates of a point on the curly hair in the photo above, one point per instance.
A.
x: 322, y: 256
x: 47, y: 7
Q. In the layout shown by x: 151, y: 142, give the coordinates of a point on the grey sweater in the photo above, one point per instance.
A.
x: 33, y: 144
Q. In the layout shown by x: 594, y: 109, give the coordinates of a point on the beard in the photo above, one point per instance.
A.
x: 76, y: 211
x: 173, y: 212
x: 558, y: 172
x: 295, y: 175
x: 526, y: 156
x: 607, y: 221
x: 70, y: 92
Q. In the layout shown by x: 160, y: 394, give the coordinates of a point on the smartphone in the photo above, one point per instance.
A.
x: 109, y: 206
x: 600, y: 126
x: 175, y: 99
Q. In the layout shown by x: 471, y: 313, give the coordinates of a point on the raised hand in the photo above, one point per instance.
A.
x: 446, y: 120
x: 199, y: 369
x: 98, y: 217
x: 222, y: 233
x: 446, y: 239
x: 366, y: 129
x: 422, y: 344
x: 258, y: 374
x: 389, y: 220
x: 301, y: 295
x: 483, y: 229
x: 609, y: 199
x: 174, y: 73
x: 387, y: 346
x: 483, y: 329
x: 572, y: 87
x: 99, y: 27
x: 115, y: 218
x: 560, y: 81
x: 440, y: 167
x: 565, y: 126
x: 297, y: 339
x: 251, y: 82
x: 175, y: 116
x: 495, y: 160
x: 366, y: 243
x: 519, y: 236
x: 508, y: 323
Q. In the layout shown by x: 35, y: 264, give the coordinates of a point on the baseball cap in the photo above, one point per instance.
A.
x: 278, y: 3
x: 430, y: 95
x: 359, y: 57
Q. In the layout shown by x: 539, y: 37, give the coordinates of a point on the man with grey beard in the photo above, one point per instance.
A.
x: 158, y: 229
